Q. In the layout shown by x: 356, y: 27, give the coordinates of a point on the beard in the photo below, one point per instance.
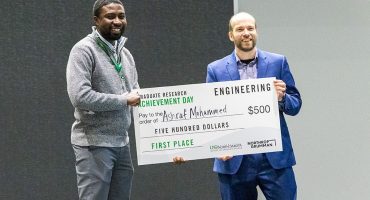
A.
x: 246, y: 48
x: 109, y: 35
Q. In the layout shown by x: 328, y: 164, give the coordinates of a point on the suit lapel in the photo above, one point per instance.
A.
x: 232, y: 67
x: 262, y: 64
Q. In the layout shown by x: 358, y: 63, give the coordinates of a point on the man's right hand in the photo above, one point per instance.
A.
x: 178, y: 160
x: 225, y: 158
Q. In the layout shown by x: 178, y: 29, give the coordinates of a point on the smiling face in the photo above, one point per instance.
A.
x: 111, y: 21
x: 243, y: 32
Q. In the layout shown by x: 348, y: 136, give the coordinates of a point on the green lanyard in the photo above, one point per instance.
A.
x: 116, y: 62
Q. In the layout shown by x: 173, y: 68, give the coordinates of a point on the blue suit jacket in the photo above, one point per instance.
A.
x: 268, y: 65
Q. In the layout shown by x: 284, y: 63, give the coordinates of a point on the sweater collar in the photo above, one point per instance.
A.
x: 118, y: 44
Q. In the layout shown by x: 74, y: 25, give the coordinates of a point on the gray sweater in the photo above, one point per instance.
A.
x: 99, y: 94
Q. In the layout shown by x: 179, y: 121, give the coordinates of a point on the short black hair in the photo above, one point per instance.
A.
x: 100, y: 3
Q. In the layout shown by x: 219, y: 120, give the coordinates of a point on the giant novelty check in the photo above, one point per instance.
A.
x: 207, y: 120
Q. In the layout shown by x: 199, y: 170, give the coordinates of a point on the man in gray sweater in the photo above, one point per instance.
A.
x: 101, y: 83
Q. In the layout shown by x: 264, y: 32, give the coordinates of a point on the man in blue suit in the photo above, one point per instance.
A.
x: 272, y: 172
x: 239, y: 176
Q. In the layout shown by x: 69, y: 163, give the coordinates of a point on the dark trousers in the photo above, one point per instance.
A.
x: 103, y: 173
x: 255, y: 170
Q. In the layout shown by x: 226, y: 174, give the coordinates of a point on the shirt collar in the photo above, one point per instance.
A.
x: 237, y: 59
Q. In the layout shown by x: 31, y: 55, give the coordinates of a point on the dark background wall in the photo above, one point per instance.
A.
x: 171, y: 41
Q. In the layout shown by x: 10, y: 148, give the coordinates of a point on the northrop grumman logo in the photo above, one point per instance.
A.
x: 262, y: 143
x: 225, y: 147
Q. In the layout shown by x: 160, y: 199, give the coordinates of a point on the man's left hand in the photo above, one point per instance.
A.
x: 280, y: 88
